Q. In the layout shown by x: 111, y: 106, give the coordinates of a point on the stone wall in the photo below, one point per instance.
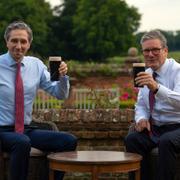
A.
x: 99, y: 129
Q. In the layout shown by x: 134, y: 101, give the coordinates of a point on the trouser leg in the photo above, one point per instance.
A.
x: 18, y: 145
x: 52, y: 141
x: 169, y: 146
x: 140, y: 143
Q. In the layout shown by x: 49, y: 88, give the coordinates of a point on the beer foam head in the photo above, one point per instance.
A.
x: 55, y: 58
x: 138, y: 64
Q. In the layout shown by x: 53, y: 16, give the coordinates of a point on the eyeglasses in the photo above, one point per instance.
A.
x: 154, y: 51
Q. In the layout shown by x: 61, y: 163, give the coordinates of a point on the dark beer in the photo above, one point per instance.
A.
x: 54, y: 62
x: 137, y: 67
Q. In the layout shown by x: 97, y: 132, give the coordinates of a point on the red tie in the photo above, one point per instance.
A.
x: 19, y: 101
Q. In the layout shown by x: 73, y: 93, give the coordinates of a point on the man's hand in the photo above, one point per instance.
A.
x: 144, y: 78
x: 142, y: 124
x: 63, y: 68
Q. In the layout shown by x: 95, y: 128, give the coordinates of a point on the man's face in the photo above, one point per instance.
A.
x: 154, y: 54
x: 18, y: 44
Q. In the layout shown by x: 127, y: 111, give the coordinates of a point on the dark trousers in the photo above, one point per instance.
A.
x: 19, y: 145
x: 168, y: 145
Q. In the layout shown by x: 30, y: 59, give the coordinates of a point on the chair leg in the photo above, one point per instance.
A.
x: 2, y: 164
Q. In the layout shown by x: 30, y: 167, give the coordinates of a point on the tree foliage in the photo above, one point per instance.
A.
x: 78, y: 29
x: 35, y: 13
x: 104, y: 28
x: 62, y: 25
x: 177, y: 40
x: 91, y: 29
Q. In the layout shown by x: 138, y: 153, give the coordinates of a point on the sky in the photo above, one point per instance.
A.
x: 155, y: 14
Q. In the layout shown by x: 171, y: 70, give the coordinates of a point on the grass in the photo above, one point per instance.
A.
x: 47, y: 104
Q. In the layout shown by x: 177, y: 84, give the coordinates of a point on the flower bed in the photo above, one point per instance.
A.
x: 128, y: 95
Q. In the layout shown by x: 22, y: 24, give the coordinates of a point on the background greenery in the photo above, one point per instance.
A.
x: 82, y: 30
x: 112, y: 67
x: 127, y: 95
x: 94, y: 35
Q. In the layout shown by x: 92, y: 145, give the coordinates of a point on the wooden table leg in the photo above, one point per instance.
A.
x: 137, y: 174
x: 95, y: 173
x: 51, y: 174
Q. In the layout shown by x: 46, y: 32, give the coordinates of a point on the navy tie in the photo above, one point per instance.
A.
x: 151, y: 96
x: 151, y: 106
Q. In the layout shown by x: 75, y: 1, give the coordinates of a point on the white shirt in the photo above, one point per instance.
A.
x: 167, y: 99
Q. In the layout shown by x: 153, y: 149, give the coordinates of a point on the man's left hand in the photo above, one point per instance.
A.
x: 63, y: 69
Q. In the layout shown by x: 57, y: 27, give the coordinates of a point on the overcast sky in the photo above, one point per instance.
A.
x: 161, y: 14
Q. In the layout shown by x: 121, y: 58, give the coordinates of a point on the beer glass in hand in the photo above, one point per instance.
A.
x: 54, y: 62
x: 137, y: 67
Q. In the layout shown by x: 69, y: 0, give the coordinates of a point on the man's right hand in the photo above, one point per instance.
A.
x: 144, y: 78
x: 142, y: 124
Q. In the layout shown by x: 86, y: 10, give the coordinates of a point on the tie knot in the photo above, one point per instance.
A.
x: 18, y: 64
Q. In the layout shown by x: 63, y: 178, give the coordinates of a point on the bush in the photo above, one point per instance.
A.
x: 90, y: 68
x: 127, y: 104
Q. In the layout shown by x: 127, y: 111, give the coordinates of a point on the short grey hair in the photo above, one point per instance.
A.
x: 18, y: 25
x: 154, y: 34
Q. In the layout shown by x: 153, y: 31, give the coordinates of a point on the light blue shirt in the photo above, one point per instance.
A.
x: 167, y: 99
x: 34, y: 75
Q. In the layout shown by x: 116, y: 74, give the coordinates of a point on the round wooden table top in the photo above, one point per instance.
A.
x: 95, y: 157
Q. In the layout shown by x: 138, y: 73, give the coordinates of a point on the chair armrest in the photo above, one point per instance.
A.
x: 48, y: 125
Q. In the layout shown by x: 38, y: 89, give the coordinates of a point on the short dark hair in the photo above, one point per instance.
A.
x: 18, y: 25
x: 154, y: 34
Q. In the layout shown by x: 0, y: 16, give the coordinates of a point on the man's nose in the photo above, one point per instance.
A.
x: 150, y: 53
x: 18, y: 45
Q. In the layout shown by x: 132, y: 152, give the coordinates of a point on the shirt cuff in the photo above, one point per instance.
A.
x: 162, y: 92
x: 66, y: 78
x: 139, y: 118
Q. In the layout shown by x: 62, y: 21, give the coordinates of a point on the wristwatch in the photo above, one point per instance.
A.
x: 156, y: 90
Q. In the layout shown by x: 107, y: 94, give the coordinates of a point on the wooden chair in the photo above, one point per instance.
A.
x: 38, y: 165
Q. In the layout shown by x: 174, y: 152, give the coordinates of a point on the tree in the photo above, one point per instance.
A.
x: 91, y: 29
x: 35, y: 13
x: 61, y: 35
x: 170, y: 36
x: 104, y: 28
x: 177, y: 40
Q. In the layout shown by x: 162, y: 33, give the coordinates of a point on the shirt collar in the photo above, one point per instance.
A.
x: 11, y: 61
x: 163, y: 69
